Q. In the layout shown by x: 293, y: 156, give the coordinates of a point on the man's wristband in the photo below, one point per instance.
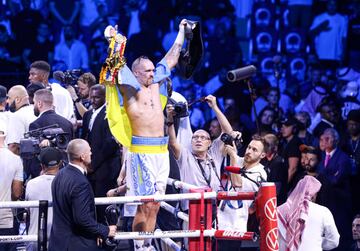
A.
x: 169, y: 123
x: 77, y: 100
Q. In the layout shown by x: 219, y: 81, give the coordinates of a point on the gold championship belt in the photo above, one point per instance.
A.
x: 115, y: 59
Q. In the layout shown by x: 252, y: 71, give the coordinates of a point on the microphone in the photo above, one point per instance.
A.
x: 241, y: 73
x: 235, y: 169
x: 111, y: 215
x: 243, y: 172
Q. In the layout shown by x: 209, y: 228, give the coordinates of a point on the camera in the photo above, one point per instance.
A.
x: 180, y: 109
x: 29, y: 146
x: 228, y: 140
x: 71, y: 77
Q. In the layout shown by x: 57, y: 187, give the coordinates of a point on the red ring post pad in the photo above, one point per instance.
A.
x: 266, y: 210
x: 235, y: 235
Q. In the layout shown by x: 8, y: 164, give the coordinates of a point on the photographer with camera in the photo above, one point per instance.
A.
x: 200, y: 165
x: 81, y: 95
x: 233, y: 215
x: 43, y: 108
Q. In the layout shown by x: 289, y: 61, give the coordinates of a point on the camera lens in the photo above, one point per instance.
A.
x: 227, y: 139
x: 62, y: 141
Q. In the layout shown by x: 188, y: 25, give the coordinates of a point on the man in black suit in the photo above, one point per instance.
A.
x: 335, y: 169
x: 74, y: 221
x: 105, y: 160
x: 44, y: 110
x: 330, y: 117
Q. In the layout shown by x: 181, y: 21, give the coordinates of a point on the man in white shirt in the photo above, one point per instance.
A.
x: 11, y: 181
x: 21, y: 117
x: 64, y: 106
x: 303, y: 224
x: 233, y: 216
x: 39, y: 188
x: 255, y: 152
x: 329, y: 30
x: 71, y: 51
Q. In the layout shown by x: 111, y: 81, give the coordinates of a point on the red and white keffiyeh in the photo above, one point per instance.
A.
x: 294, y: 212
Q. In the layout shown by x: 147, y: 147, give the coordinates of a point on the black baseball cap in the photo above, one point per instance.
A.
x: 290, y: 121
x: 50, y: 156
x: 3, y: 93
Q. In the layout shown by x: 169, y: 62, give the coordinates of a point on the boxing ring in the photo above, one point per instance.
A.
x: 200, y: 230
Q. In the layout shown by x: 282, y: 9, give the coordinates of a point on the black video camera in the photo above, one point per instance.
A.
x: 29, y: 146
x: 228, y: 140
x: 181, y: 110
x: 71, y: 77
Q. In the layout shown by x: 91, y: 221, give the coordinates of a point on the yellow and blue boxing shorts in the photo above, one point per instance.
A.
x: 147, y: 166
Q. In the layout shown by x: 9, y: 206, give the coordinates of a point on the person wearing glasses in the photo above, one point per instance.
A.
x: 200, y: 165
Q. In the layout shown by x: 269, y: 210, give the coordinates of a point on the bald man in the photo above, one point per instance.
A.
x: 200, y: 165
x: 74, y: 219
x: 21, y: 117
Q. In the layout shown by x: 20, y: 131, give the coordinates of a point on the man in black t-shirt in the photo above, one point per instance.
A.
x: 290, y: 147
x: 275, y: 168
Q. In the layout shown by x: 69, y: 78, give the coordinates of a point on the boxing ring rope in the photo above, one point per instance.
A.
x: 174, y: 211
x: 200, y: 217
x: 219, y: 234
x: 18, y: 238
x: 22, y: 204
x: 180, y: 185
x: 171, y: 244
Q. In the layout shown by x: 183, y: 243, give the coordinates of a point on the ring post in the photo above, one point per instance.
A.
x: 267, y: 215
x: 208, y: 220
x: 199, y: 219
x: 42, y: 225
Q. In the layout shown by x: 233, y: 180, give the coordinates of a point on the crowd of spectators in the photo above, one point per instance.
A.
x: 304, y: 99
